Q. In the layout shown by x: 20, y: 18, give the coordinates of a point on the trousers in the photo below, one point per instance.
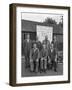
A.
x: 34, y: 65
x: 43, y: 64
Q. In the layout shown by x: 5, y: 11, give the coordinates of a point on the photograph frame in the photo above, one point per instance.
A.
x: 12, y: 62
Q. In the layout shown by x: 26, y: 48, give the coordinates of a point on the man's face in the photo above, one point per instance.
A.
x: 28, y: 36
x: 52, y: 45
x: 34, y: 46
x: 54, y: 37
x: 44, y: 46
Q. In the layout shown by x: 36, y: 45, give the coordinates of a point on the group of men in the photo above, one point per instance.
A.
x: 40, y: 56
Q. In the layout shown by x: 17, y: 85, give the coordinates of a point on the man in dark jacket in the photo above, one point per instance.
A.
x: 53, y: 56
x: 55, y: 43
x: 39, y: 44
x: 44, y: 55
x: 47, y: 42
x: 34, y: 58
x: 27, y: 45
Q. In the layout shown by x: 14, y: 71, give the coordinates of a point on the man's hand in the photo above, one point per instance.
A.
x: 56, y: 58
x: 31, y: 60
x: 42, y: 58
x: 37, y: 60
x: 49, y: 61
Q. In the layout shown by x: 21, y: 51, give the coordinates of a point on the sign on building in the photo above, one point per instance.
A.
x: 43, y: 31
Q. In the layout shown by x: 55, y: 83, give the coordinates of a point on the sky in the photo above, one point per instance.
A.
x: 41, y: 17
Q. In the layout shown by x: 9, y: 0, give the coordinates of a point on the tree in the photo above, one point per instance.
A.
x: 50, y: 21
x: 61, y: 22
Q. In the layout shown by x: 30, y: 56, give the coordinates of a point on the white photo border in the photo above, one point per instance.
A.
x: 37, y: 79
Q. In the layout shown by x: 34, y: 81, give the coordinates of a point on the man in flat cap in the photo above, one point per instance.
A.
x: 27, y: 45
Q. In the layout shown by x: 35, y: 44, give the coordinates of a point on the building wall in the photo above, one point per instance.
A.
x: 30, y: 26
